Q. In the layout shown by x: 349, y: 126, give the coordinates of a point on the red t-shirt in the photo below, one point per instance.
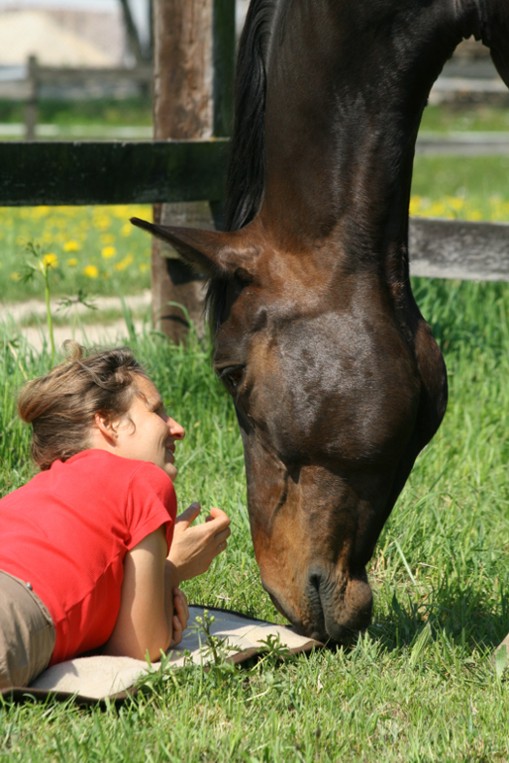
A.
x: 68, y: 530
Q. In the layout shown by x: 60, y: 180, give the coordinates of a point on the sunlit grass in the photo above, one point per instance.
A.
x: 419, y: 686
x: 462, y: 188
x: 451, y: 118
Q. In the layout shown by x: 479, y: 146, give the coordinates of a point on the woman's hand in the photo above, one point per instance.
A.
x: 194, y: 548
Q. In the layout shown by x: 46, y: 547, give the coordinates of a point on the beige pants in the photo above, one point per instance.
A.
x: 27, y: 633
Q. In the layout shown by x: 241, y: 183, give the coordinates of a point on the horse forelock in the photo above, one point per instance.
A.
x: 246, y: 171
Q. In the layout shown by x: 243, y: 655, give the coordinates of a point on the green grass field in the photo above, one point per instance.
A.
x: 420, y: 686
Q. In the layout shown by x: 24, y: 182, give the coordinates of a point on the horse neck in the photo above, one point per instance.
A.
x: 346, y: 87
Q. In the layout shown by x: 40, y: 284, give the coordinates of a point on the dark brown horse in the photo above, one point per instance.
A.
x: 336, y: 379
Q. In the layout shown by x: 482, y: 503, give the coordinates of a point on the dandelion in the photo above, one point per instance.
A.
x: 72, y: 262
x: 416, y: 204
x: 456, y: 203
x: 50, y: 260
x: 91, y: 271
x: 102, y: 221
x: 16, y: 276
x: 108, y: 251
x: 123, y: 264
x: 71, y: 246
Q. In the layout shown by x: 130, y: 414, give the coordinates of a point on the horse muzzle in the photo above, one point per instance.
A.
x: 329, y: 611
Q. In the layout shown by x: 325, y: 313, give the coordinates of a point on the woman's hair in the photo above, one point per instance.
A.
x: 61, y: 405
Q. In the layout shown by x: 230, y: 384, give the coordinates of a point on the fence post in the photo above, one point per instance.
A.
x: 31, y: 105
x: 183, y: 109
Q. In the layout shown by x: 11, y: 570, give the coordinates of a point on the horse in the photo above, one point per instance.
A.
x: 335, y: 376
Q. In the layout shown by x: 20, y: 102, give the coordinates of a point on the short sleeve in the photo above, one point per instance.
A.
x: 151, y: 503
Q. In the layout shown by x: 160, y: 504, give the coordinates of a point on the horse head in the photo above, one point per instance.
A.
x: 332, y: 409
x: 335, y: 377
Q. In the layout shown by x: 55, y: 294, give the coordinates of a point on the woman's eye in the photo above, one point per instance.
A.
x: 232, y: 376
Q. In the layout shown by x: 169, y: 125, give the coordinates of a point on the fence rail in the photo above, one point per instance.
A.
x: 52, y: 173
x: 454, y: 249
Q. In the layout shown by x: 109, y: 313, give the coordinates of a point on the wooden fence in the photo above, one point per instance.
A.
x: 170, y: 171
x: 55, y: 173
x: 82, y: 83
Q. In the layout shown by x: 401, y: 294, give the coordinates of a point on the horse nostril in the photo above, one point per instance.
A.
x: 341, y: 608
x: 314, y: 579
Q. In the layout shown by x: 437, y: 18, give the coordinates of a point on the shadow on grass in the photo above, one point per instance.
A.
x: 462, y: 616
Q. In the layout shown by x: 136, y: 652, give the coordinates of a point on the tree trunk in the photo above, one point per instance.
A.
x: 183, y: 109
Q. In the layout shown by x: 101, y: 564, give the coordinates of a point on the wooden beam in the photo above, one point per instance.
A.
x: 190, y: 103
x: 111, y: 172
x: 454, y: 249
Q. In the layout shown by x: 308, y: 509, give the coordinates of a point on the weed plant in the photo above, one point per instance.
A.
x: 420, y: 685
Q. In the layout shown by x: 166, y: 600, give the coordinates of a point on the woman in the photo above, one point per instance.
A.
x: 92, y: 555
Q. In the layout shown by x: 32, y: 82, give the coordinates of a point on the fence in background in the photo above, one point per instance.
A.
x: 106, y: 172
x: 72, y: 83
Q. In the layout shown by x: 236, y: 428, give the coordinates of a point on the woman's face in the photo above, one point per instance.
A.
x: 146, y: 432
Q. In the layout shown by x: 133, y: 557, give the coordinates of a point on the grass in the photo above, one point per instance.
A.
x: 109, y: 112
x: 420, y: 684
x: 450, y: 118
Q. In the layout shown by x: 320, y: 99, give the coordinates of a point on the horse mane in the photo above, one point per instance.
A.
x: 245, y: 179
x: 246, y: 168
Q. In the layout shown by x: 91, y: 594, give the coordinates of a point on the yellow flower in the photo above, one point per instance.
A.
x: 15, y: 276
x: 50, y: 260
x: 102, y: 221
x: 72, y: 262
x: 108, y: 251
x: 456, y: 202
x: 123, y: 264
x: 91, y: 271
x: 71, y: 246
x: 415, y: 204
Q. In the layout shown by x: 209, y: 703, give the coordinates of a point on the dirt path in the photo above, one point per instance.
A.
x: 105, y: 333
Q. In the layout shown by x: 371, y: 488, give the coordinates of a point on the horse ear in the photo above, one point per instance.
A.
x: 211, y: 252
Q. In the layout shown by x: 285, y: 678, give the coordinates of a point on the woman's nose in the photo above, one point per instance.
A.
x: 177, y: 431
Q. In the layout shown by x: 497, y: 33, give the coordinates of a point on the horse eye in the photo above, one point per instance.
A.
x: 232, y: 376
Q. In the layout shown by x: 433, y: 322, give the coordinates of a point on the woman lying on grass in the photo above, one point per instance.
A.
x: 91, y: 552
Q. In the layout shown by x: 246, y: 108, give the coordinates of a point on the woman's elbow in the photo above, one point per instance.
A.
x: 143, y: 647
x: 157, y: 646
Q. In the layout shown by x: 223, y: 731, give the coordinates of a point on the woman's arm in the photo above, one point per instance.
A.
x: 145, y: 620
